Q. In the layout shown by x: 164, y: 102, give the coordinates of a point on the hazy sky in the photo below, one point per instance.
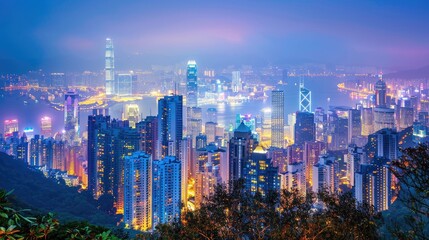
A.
x: 68, y: 35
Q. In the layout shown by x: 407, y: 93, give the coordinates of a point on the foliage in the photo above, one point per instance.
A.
x: 16, y: 225
x: 412, y: 174
x: 32, y: 190
x: 235, y: 214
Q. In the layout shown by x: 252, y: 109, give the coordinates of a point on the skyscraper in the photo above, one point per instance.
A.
x: 71, y: 117
x: 304, y: 98
x: 259, y: 173
x: 380, y: 93
x: 354, y: 124
x: 170, y: 125
x: 236, y: 84
x: 305, y: 129
x: 241, y: 147
x: 277, y: 118
x: 166, y: 190
x: 194, y: 122
x: 46, y: 126
x: 138, y: 191
x: 367, y: 121
x: 191, y: 84
x: 124, y: 84
x: 132, y: 114
x: 110, y: 68
x: 148, y: 130
x: 325, y: 174
x: 10, y: 126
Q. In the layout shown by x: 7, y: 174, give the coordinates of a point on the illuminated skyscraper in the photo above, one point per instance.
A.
x: 354, y: 124
x: 236, y: 83
x: 305, y: 129
x: 383, y: 118
x: 132, y: 114
x: 212, y: 115
x: 367, y: 121
x: 277, y: 118
x: 124, y: 84
x: 325, y: 175
x: 380, y: 93
x: 194, y: 122
x: 148, y: 130
x: 166, y: 190
x: 110, y: 68
x: 10, y: 126
x: 240, y: 148
x: 406, y: 117
x: 46, y: 126
x: 170, y: 125
x: 138, y: 191
x: 304, y: 98
x: 294, y: 178
x: 259, y: 173
x: 191, y: 84
x: 71, y: 117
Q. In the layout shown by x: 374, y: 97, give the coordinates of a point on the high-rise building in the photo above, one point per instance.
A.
x: 138, y: 191
x: 170, y: 125
x: 354, y: 124
x: 241, y: 146
x: 321, y: 126
x: 294, y: 178
x: 206, y: 181
x: 166, y: 190
x: 71, y: 117
x: 22, y: 150
x: 304, y: 98
x: 201, y: 141
x: 46, y: 126
x: 10, y: 126
x: 148, y: 129
x: 132, y: 114
x: 259, y: 173
x: 124, y: 84
x: 406, y: 117
x: 191, y: 84
x: 312, y: 151
x: 367, y: 121
x: 110, y: 68
x: 187, y: 164
x: 325, y: 175
x: 305, y: 129
x: 35, y: 151
x: 210, y: 131
x: 277, y: 118
x: 266, y: 126
x: 380, y: 93
x: 383, y: 118
x: 212, y: 115
x: 236, y: 84
x: 194, y: 122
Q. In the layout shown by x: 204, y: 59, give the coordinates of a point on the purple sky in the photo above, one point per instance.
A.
x: 69, y: 34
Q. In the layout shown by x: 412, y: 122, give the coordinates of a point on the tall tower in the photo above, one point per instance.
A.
x: 380, y: 93
x: 71, y: 117
x: 304, y: 98
x: 138, y: 191
x: 277, y: 118
x: 170, y: 125
x: 305, y: 129
x: 191, y: 84
x: 110, y: 68
x: 236, y: 84
x: 166, y: 188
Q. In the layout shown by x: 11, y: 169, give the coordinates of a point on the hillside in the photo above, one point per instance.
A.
x: 32, y: 190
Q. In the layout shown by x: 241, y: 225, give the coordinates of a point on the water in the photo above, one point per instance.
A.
x: 13, y: 107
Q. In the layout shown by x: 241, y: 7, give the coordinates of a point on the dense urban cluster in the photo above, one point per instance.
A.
x: 161, y: 165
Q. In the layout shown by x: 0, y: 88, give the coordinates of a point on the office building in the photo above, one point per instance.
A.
x: 212, y: 115
x: 406, y: 117
x: 71, y: 118
x: 170, y: 125
x: 294, y: 178
x: 367, y: 121
x: 124, y: 84
x: 210, y: 131
x: 241, y: 146
x: 354, y: 124
x: 259, y: 173
x: 380, y: 93
x: 305, y: 129
x: 166, y: 190
x: 312, y: 152
x: 194, y: 122
x: 191, y: 84
x: 46, y: 126
x: 148, y: 129
x: 325, y: 175
x: 236, y: 83
x: 304, y: 98
x: 138, y: 191
x: 109, y: 68
x: 132, y: 114
x: 10, y: 126
x: 277, y: 118
x: 383, y: 118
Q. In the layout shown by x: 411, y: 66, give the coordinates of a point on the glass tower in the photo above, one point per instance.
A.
x: 277, y: 118
x: 110, y: 68
x: 191, y: 84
